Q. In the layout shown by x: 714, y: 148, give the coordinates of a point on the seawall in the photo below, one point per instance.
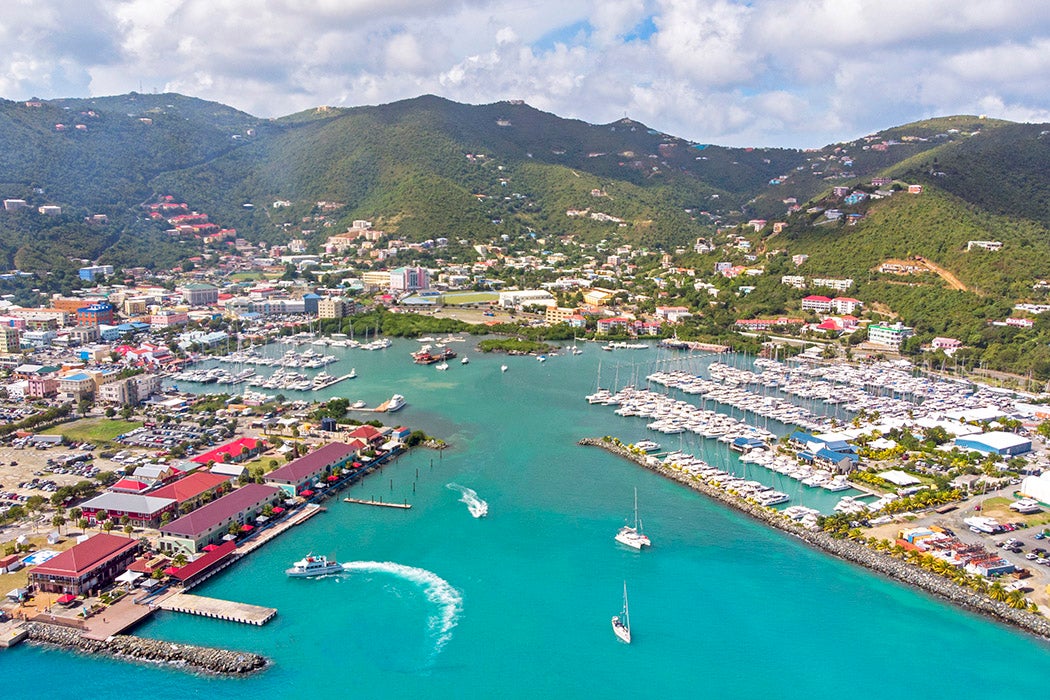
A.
x: 848, y: 550
x: 188, y: 656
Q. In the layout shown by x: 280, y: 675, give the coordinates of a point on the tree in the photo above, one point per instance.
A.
x: 128, y: 529
x: 110, y: 412
x: 58, y: 521
x: 84, y: 406
x: 82, y: 523
x: 108, y: 526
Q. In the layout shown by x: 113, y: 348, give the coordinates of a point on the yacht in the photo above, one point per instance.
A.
x: 441, y: 366
x: 632, y: 536
x: 358, y: 404
x: 621, y: 624
x: 313, y: 565
x: 465, y: 360
x: 647, y: 446
x: 396, y: 403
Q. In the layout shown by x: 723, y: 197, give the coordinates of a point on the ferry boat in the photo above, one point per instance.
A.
x: 314, y: 565
x: 632, y: 536
x: 621, y: 624
x: 396, y: 403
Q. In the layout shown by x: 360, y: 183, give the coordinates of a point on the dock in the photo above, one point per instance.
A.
x: 217, y: 609
x: 402, y: 506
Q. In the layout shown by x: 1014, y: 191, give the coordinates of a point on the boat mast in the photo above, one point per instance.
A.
x: 626, y: 613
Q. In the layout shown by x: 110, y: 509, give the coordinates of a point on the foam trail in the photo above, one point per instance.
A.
x: 437, y: 590
x: 478, y: 508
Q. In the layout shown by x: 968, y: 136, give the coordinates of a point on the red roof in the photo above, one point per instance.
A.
x: 190, y: 487
x: 366, y: 432
x: 816, y: 297
x: 205, y: 561
x: 129, y: 485
x: 231, y: 450
x: 88, y: 555
x: 313, y: 464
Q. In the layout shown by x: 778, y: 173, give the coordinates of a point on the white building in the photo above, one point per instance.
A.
x: 889, y: 335
x: 526, y: 297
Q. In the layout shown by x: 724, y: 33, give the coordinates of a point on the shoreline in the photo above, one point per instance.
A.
x: 845, y: 549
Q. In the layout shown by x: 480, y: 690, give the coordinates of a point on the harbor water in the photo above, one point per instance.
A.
x: 434, y: 602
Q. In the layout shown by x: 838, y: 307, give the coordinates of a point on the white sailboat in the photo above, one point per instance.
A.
x: 621, y: 623
x: 632, y: 536
x: 503, y: 368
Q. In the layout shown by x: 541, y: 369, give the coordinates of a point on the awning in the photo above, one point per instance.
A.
x: 333, y: 477
x: 356, y: 465
x: 171, y: 570
x: 307, y: 493
x: 247, y: 528
x: 278, y: 510
x: 210, y: 547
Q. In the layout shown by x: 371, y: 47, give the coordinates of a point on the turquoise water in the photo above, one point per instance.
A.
x: 518, y: 604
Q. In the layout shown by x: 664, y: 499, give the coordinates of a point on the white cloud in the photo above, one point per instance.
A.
x: 764, y: 72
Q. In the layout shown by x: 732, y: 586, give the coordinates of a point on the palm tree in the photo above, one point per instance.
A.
x: 1017, y: 600
x: 997, y: 592
x: 58, y: 521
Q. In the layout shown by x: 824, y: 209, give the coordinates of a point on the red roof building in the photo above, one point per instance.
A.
x: 232, y: 451
x: 193, y: 487
x: 209, y: 524
x: 301, y: 473
x: 87, y: 566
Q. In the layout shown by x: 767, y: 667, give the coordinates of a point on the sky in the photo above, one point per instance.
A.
x: 795, y: 73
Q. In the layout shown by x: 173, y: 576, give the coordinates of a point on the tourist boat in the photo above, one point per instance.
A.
x: 314, y: 565
x: 441, y: 366
x: 465, y: 360
x: 632, y: 536
x: 396, y: 403
x: 621, y: 624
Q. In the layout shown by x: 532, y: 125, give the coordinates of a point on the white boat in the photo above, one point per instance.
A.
x: 479, y: 509
x: 441, y: 366
x: 353, y: 373
x: 465, y: 360
x: 358, y: 404
x: 648, y: 446
x: 503, y: 368
x: 632, y: 536
x: 396, y: 403
x: 541, y: 358
x: 314, y: 565
x: 621, y: 623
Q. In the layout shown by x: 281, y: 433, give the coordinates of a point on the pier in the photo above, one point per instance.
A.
x: 217, y: 609
x: 402, y: 506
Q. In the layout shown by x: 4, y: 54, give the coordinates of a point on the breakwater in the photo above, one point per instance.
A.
x: 188, y: 656
x: 845, y: 549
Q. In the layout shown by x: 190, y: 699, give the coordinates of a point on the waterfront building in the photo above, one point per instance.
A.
x: 300, y: 474
x: 889, y: 335
x: 333, y: 307
x: 209, y: 524
x: 193, y: 488
x: 86, y: 566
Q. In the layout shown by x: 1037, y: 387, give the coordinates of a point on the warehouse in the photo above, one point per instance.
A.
x: 995, y: 443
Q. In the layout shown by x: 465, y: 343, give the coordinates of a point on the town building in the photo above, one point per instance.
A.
x: 195, y: 488
x: 815, y: 302
x: 996, y: 442
x: 526, y: 297
x: 409, y: 279
x: 200, y: 294
x: 212, y: 523
x: 301, y: 474
x: 238, y: 450
x: 889, y: 335
x: 95, y: 314
x: 143, y: 511
x: 333, y: 307
x: 92, y: 271
x: 87, y: 566
x: 10, y: 339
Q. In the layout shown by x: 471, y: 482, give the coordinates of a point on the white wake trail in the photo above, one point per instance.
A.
x: 437, y: 590
x: 478, y: 507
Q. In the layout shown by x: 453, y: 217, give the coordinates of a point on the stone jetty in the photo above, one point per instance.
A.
x: 188, y: 656
x: 848, y: 550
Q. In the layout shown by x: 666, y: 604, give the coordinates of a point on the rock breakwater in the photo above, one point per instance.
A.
x: 848, y: 550
x: 188, y: 656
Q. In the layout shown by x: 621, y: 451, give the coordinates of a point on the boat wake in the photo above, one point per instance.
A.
x: 478, y: 508
x: 438, y: 591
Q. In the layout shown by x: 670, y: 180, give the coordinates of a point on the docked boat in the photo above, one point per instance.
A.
x: 358, y: 404
x: 314, y: 565
x: 647, y: 446
x: 441, y: 366
x: 621, y: 624
x: 429, y: 356
x: 396, y: 403
x: 632, y: 536
x: 353, y: 373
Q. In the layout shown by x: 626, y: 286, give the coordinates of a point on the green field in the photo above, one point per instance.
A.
x: 97, y: 430
x: 469, y: 297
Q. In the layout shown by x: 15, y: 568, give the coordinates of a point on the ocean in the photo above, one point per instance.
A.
x: 437, y: 603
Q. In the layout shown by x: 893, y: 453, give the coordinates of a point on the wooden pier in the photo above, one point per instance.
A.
x: 217, y: 609
x: 402, y: 506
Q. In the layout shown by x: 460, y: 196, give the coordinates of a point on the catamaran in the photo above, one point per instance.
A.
x: 621, y: 623
x: 632, y: 536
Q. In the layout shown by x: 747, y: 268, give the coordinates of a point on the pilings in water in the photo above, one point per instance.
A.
x: 846, y: 549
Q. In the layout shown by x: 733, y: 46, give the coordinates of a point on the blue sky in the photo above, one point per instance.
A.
x: 795, y: 73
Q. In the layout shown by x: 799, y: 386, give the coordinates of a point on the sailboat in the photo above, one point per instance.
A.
x: 621, y: 623
x: 503, y: 368
x: 575, y: 350
x: 632, y: 536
